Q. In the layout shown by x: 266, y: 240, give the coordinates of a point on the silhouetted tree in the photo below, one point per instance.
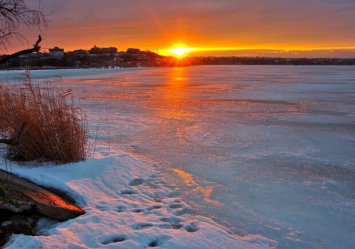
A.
x: 13, y: 15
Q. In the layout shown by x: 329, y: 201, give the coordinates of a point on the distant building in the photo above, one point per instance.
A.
x: 78, y: 53
x: 56, y: 52
x: 98, y: 50
x: 133, y: 50
x: 35, y: 55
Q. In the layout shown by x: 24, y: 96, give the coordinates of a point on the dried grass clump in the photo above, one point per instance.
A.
x: 55, y: 130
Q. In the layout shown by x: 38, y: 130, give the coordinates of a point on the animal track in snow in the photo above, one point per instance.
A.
x: 192, y: 227
x: 174, y: 194
x: 120, y: 209
x: 171, y: 223
x: 164, y: 226
x: 184, y: 211
x: 102, y: 207
x: 176, y: 226
x: 137, y: 210
x: 159, y: 241
x: 154, y: 207
x: 141, y: 225
x: 170, y: 226
x: 115, y: 238
x: 175, y: 206
x: 171, y: 219
x: 128, y: 192
x: 136, y: 182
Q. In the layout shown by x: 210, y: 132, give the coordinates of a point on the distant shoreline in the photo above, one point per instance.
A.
x: 135, y: 58
x: 88, y: 68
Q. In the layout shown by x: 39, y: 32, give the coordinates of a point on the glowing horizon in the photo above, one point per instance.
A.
x: 178, y: 50
x: 170, y: 50
x: 191, y: 51
x: 226, y: 27
x: 181, y: 51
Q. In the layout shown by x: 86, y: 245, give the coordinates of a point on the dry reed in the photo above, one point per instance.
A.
x: 56, y: 130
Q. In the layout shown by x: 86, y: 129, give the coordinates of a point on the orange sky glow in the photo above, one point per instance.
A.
x: 314, y: 28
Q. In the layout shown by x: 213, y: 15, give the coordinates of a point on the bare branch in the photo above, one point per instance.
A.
x: 35, y: 48
x: 15, y: 13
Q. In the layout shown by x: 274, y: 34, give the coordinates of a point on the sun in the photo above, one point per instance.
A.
x: 180, y: 51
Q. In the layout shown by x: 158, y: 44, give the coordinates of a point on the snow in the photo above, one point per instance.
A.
x: 127, y: 205
x: 207, y: 157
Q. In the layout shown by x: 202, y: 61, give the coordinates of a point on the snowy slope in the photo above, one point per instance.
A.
x: 128, y: 205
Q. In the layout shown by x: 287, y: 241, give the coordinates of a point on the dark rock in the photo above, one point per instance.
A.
x: 13, y: 200
x: 6, y: 229
x: 22, y: 225
x: 19, y: 195
x: 20, y: 198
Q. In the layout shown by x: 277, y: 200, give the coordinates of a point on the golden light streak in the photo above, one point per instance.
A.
x: 189, y: 181
x: 184, y: 51
x: 178, y: 50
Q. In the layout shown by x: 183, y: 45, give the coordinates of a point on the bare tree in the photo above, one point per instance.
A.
x: 13, y: 15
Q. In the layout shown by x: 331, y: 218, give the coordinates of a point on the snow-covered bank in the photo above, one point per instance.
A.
x: 262, y: 150
x: 128, y: 204
x: 127, y: 201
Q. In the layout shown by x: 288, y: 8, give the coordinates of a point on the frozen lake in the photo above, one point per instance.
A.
x: 266, y: 150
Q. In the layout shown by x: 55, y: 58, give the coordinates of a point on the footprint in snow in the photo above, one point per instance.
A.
x: 176, y: 226
x: 128, y: 192
x: 141, y: 225
x: 164, y: 226
x: 192, y: 227
x: 154, y: 207
x: 102, y: 208
x: 183, y: 211
x: 171, y: 223
x: 172, y: 219
x: 170, y: 226
x: 120, y: 209
x: 175, y: 206
x: 137, y: 210
x: 159, y: 241
x: 136, y: 182
x: 174, y: 194
x: 114, y: 238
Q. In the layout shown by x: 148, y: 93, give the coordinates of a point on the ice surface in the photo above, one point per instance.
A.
x: 266, y: 151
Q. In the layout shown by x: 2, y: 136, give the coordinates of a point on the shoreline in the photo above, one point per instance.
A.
x: 199, y: 65
x: 150, y: 216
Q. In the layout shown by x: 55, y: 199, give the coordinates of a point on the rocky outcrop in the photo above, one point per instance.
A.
x: 13, y: 200
x: 20, y: 198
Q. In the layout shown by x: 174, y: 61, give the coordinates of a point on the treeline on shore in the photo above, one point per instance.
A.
x: 139, y: 58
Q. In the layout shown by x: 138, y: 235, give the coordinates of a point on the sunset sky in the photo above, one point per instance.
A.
x: 225, y: 27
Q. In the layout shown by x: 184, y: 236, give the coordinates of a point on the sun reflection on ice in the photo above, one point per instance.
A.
x: 174, y: 99
x: 190, y: 182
